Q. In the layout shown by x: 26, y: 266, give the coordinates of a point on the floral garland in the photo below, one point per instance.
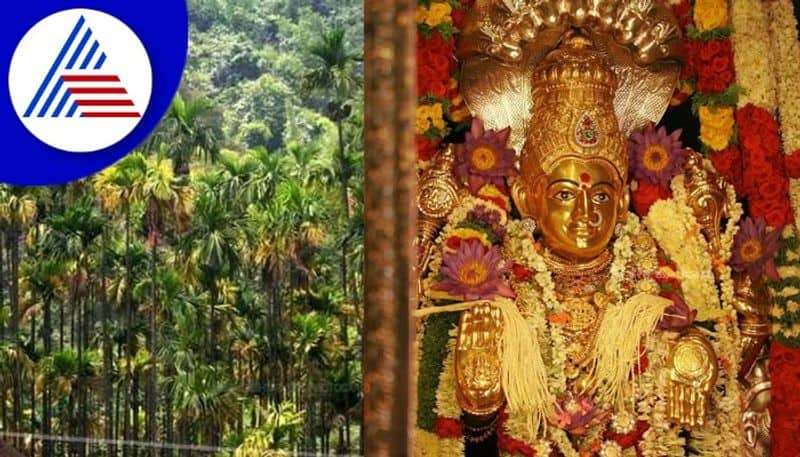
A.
x: 783, y: 35
x: 674, y: 226
x: 440, y: 107
x: 709, y: 72
x: 785, y: 349
x: 520, y: 245
x: 752, y: 53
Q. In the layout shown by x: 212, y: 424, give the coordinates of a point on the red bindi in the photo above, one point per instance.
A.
x: 585, y: 177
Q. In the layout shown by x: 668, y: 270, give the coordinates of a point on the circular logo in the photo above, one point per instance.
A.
x: 88, y: 81
x: 80, y: 80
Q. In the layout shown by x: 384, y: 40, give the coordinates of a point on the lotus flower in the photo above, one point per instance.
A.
x: 484, y: 157
x: 576, y: 414
x: 754, y: 249
x: 678, y: 315
x: 656, y: 156
x: 474, y: 272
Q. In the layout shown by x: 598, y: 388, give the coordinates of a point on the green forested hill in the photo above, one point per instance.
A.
x: 203, y: 295
x: 250, y: 58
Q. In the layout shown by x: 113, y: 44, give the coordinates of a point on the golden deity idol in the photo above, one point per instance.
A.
x: 562, y: 323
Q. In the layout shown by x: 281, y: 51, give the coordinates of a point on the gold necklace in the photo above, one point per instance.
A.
x: 561, y: 266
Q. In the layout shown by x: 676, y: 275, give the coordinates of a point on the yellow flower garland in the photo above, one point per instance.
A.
x: 428, y: 116
x: 716, y: 126
x: 752, y: 53
x: 438, y: 13
x: 710, y: 14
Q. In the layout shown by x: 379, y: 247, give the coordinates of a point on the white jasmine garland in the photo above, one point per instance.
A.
x: 752, y: 52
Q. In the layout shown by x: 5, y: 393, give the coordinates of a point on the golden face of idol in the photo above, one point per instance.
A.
x: 578, y: 204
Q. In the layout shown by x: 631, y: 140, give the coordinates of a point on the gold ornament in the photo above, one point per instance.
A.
x: 477, y: 360
x: 437, y: 195
x: 693, y: 374
x: 707, y: 196
x: 756, y: 418
x: 753, y: 302
x: 573, y: 89
x: 502, y: 42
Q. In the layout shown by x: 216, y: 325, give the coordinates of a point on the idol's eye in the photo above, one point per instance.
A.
x: 601, y: 197
x: 564, y: 195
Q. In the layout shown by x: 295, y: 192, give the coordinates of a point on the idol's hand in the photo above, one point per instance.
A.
x: 477, y: 360
x: 693, y: 373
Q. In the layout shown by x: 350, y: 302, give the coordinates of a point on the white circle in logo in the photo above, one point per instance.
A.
x: 80, y: 80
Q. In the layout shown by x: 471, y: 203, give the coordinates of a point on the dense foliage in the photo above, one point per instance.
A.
x: 206, y: 289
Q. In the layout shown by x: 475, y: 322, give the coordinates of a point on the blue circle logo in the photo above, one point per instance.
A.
x: 86, y: 84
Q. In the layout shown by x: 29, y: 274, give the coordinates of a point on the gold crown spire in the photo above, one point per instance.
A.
x: 573, y: 92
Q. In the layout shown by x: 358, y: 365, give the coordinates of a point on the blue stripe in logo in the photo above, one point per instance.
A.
x: 53, y: 69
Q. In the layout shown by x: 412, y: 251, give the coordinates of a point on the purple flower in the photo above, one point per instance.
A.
x: 484, y: 157
x: 474, y: 272
x: 754, y: 249
x: 678, y: 315
x: 576, y: 414
x: 656, y: 156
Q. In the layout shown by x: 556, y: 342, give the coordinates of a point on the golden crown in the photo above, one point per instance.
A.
x: 573, y: 89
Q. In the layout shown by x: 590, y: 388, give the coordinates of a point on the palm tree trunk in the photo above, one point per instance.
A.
x: 126, y: 428
x: 108, y: 386
x: 2, y: 283
x: 77, y: 331
x: 168, y: 419
x: 47, y: 336
x: 153, y: 373
x: 33, y: 382
x: 135, y: 412
x: 16, y: 368
x: 345, y: 180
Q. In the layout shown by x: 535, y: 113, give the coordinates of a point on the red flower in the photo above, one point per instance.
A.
x: 458, y: 16
x: 643, y: 363
x: 448, y: 428
x: 436, y: 52
x: 764, y: 180
x: 792, y: 163
x: 426, y: 149
x: 681, y: 11
x: 508, y: 444
x: 647, y: 194
x: 521, y: 273
x: 711, y: 62
x: 777, y: 212
x: 435, y: 62
x: 728, y: 163
x: 784, y: 409
x: 631, y: 438
x: 773, y: 187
